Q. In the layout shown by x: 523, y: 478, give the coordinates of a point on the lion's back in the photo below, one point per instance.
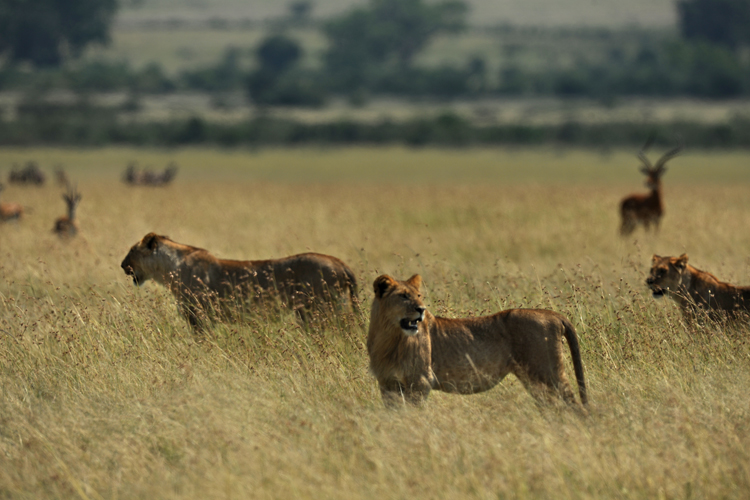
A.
x: 315, y: 269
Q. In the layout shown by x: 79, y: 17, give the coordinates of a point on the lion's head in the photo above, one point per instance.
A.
x: 666, y: 274
x: 143, y: 261
x: 400, y: 302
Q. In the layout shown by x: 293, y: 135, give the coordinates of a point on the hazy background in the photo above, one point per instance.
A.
x: 225, y: 72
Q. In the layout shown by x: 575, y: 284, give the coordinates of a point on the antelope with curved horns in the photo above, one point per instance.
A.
x: 9, y: 210
x: 66, y: 226
x: 648, y: 208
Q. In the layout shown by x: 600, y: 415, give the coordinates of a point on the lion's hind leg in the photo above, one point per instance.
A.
x: 546, y: 384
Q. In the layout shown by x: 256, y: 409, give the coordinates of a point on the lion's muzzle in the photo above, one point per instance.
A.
x: 410, y: 326
x: 130, y: 271
x: 656, y: 290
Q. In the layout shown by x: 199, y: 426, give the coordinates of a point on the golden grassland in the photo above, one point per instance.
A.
x: 105, y: 393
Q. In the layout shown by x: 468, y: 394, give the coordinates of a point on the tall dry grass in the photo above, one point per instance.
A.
x: 107, y: 394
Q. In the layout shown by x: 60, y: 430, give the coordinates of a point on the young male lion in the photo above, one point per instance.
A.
x: 204, y: 284
x: 413, y: 352
x: 694, y: 290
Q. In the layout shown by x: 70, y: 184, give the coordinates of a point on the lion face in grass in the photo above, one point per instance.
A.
x: 666, y: 274
x: 143, y: 261
x: 400, y: 302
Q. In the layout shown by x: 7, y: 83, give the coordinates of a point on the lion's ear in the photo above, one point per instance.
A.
x: 655, y: 258
x: 382, y: 284
x: 415, y: 281
x: 681, y: 261
x: 151, y: 241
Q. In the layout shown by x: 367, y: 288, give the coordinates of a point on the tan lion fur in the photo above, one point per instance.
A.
x: 413, y: 352
x: 695, y: 290
x: 204, y: 284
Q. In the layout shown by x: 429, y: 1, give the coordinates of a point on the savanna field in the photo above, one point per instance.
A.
x: 106, y: 392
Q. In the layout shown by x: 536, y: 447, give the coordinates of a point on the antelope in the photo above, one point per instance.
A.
x: 8, y: 210
x: 61, y: 176
x: 30, y: 174
x: 131, y: 174
x: 66, y: 226
x: 648, y: 208
x: 169, y: 173
x: 148, y: 177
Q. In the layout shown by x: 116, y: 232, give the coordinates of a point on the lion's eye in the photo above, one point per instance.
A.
x: 403, y: 295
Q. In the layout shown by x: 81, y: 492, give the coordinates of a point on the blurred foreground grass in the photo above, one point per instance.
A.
x: 106, y: 393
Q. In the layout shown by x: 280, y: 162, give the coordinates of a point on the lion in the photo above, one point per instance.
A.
x: 205, y: 285
x: 695, y: 290
x: 413, y: 352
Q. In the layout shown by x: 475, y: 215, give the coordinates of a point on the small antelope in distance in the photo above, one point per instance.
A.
x: 648, y: 208
x: 147, y: 177
x: 66, y: 226
x: 8, y: 210
x: 30, y: 174
x: 61, y: 176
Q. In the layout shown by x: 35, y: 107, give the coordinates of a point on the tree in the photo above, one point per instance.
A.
x: 725, y: 22
x: 278, y: 53
x: 278, y: 80
x: 299, y: 11
x: 44, y: 31
x: 387, y: 32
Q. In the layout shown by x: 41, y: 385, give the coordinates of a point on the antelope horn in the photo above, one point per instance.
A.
x: 72, y: 196
x: 642, y: 153
x: 644, y: 159
x: 667, y: 156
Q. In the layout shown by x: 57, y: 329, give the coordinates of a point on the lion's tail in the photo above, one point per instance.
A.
x: 575, y: 353
x: 351, y: 282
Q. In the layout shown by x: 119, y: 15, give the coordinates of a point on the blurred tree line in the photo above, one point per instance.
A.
x: 81, y: 124
x: 44, y: 32
x: 374, y: 49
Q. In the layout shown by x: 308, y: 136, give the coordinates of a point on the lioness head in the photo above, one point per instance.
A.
x: 666, y: 274
x: 400, y: 302
x: 142, y: 262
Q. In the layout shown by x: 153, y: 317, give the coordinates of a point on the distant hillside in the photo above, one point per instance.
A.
x: 605, y: 13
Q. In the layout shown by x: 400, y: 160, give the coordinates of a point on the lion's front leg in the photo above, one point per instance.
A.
x: 195, y: 316
x: 392, y: 393
x: 396, y: 394
x: 689, y: 316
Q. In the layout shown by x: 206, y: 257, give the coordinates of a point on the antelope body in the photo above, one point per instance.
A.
x: 646, y: 209
x: 66, y: 225
x: 9, y: 211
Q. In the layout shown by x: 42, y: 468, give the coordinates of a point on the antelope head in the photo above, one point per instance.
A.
x: 655, y: 172
x: 72, y: 198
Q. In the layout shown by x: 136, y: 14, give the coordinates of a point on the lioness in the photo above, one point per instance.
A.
x: 413, y: 352
x: 693, y: 289
x: 204, y: 284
